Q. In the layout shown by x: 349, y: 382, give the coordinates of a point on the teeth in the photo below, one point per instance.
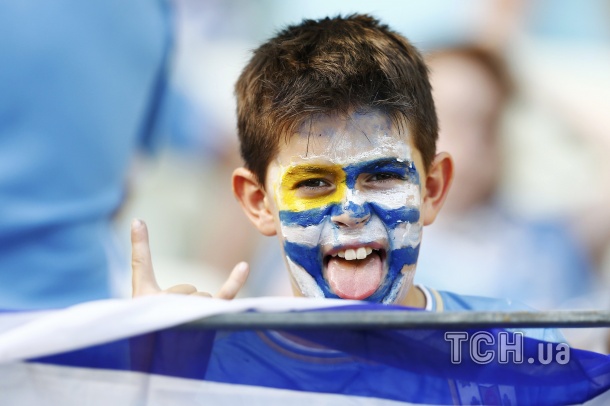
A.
x: 351, y: 254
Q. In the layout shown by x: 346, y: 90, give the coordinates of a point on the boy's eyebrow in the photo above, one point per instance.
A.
x: 311, y: 169
x: 383, y: 163
x: 402, y: 167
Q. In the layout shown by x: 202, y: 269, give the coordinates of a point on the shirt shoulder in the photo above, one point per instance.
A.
x: 450, y: 301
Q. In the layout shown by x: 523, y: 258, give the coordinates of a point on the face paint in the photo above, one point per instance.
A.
x: 299, y: 175
x: 357, y: 201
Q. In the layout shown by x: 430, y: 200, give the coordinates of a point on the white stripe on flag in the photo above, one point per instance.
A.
x: 26, y: 384
x: 103, y: 321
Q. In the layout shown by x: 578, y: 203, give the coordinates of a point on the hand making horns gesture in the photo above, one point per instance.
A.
x: 143, y: 280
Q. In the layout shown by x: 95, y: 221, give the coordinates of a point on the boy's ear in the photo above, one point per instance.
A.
x: 253, y: 200
x: 436, y: 185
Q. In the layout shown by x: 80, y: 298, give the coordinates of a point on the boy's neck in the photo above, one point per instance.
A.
x: 414, y: 298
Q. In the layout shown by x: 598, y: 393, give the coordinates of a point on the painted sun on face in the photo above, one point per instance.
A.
x: 349, y: 210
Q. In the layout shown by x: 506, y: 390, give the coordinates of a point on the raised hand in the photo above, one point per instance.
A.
x: 143, y: 280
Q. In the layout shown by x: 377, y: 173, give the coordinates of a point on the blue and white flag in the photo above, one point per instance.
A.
x: 134, y: 352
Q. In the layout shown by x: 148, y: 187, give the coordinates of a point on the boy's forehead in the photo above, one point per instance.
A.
x: 346, y: 139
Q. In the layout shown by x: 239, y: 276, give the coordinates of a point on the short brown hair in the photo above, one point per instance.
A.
x: 330, y: 66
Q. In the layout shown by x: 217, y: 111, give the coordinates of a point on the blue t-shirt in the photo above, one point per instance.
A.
x: 81, y: 82
x: 439, y: 301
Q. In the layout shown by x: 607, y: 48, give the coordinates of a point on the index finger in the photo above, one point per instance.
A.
x: 143, y: 280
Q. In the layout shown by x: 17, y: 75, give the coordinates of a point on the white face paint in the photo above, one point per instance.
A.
x: 347, y: 199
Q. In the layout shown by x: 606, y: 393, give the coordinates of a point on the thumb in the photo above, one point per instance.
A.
x: 143, y: 280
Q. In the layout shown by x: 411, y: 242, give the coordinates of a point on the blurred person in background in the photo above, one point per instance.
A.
x: 81, y: 83
x: 538, y: 261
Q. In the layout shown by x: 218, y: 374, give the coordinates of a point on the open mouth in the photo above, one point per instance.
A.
x: 355, y: 273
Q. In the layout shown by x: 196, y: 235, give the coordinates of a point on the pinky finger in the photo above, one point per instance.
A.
x: 235, y: 282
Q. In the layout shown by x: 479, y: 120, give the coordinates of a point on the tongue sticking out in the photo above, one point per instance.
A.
x: 357, y: 279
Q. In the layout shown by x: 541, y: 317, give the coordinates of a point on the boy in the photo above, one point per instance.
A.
x: 338, y: 128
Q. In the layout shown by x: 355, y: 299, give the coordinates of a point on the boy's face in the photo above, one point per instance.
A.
x: 345, y: 194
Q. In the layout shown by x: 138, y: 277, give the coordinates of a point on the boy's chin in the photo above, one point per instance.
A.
x: 355, y: 279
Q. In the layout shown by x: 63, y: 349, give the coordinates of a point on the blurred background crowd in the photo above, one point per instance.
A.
x: 523, y: 96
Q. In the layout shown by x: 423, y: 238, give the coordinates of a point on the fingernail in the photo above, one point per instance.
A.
x: 136, y: 223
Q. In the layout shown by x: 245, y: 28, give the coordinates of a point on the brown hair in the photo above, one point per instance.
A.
x: 330, y: 66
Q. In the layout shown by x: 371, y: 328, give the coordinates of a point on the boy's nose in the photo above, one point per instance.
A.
x: 351, y: 215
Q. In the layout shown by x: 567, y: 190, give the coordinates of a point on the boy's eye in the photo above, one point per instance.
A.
x: 314, y: 188
x: 312, y: 184
x: 384, y: 177
x: 309, y: 186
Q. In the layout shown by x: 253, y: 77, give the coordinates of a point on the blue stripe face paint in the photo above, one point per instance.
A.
x: 348, y: 205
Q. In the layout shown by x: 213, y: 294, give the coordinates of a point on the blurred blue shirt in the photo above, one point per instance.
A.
x: 80, y: 83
